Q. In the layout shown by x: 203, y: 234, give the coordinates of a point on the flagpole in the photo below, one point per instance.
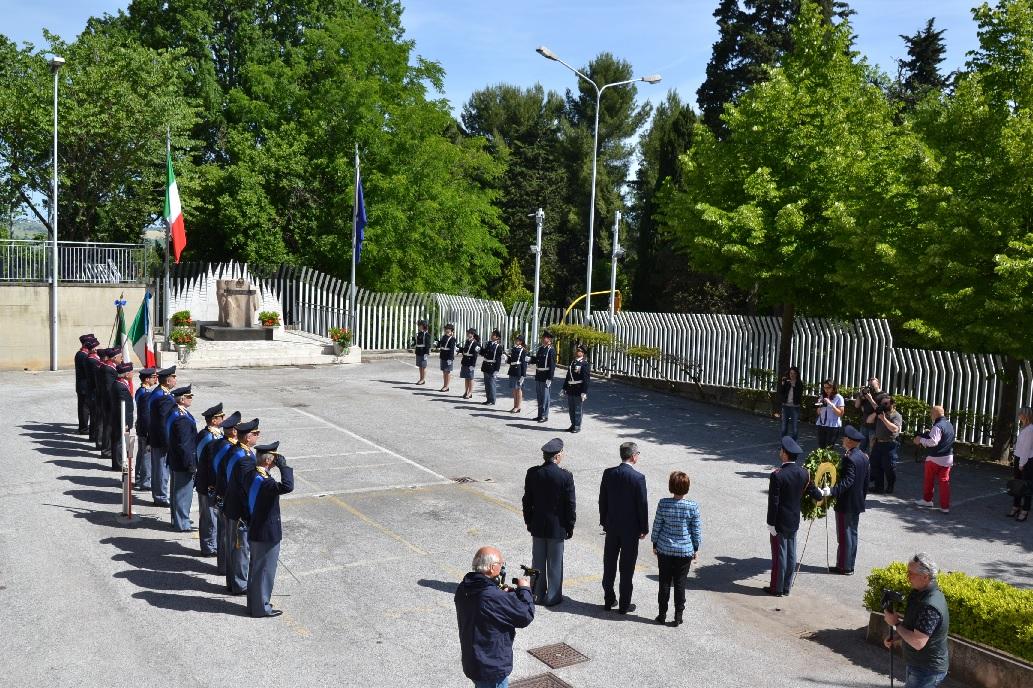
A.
x: 355, y: 232
x: 168, y: 242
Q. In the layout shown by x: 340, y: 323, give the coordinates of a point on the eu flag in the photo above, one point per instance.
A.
x: 360, y: 215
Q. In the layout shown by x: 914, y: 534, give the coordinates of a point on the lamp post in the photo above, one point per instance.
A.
x: 56, y: 63
x: 617, y: 253
x: 536, y: 249
x: 652, y: 79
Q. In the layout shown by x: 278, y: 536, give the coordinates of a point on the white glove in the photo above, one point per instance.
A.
x: 771, y: 529
x: 826, y: 491
x: 548, y: 383
x: 583, y: 397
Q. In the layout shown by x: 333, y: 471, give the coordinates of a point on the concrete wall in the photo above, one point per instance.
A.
x: 25, y: 320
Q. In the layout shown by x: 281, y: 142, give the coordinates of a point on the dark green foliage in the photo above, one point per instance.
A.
x: 919, y: 75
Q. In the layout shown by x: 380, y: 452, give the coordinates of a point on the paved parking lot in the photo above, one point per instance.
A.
x: 377, y: 533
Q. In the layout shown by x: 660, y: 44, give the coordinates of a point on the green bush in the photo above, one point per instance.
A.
x: 982, y: 610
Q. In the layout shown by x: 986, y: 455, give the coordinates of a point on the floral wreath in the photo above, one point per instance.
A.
x: 823, y: 466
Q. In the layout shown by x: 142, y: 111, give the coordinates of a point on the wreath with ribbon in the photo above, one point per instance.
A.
x: 824, y: 466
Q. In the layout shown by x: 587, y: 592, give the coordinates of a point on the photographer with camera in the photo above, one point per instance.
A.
x: 869, y: 401
x: 884, y: 447
x: 830, y: 408
x: 790, y: 391
x: 488, y: 617
x: 922, y: 630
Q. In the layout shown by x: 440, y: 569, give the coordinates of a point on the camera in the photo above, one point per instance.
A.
x: 890, y: 599
x: 864, y: 390
x: 500, y: 580
x: 529, y: 573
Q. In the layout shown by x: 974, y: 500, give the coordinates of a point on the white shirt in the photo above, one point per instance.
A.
x: 932, y: 441
x: 1024, y: 445
x: 827, y: 418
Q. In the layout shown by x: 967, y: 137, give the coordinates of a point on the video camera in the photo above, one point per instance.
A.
x: 500, y: 580
x: 890, y: 599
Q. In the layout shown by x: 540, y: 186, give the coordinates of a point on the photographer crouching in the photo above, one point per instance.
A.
x: 489, y: 614
x: 922, y: 631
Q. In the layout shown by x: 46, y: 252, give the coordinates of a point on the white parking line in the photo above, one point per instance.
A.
x: 355, y: 490
x: 327, y: 456
x: 374, y: 445
x: 345, y: 468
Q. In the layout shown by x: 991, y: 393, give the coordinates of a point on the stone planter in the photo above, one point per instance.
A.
x: 340, y: 350
x: 976, y: 665
x: 182, y: 353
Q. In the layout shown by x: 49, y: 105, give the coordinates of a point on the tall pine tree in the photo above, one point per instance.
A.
x: 920, y: 74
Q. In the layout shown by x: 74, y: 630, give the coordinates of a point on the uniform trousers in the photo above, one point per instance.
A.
x: 143, y: 464
x: 261, y: 575
x: 240, y: 557
x: 544, y: 397
x: 489, y: 387
x: 182, y: 497
x: 222, y: 541
x: 83, y: 409
x: 846, y: 533
x: 673, y: 571
x: 620, y: 551
x: 783, y: 562
x: 937, y: 474
x: 159, y: 475
x: 574, y: 408
x: 547, y: 557
x: 117, y: 438
x: 207, y: 519
x: 883, y: 462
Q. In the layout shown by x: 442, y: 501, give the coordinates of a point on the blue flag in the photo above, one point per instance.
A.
x: 360, y: 216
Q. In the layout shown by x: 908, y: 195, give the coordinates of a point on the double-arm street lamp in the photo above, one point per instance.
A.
x: 652, y: 79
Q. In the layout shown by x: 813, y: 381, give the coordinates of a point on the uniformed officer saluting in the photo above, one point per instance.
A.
x: 786, y: 488
x: 545, y: 368
x: 421, y: 344
x: 468, y: 366
x: 518, y: 360
x: 265, y: 531
x: 576, y: 386
x: 181, y: 430
x: 447, y: 353
x: 208, y: 512
x: 492, y: 353
x: 214, y: 459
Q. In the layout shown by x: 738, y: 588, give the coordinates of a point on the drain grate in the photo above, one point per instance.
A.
x: 558, y: 656
x: 549, y: 680
x: 463, y: 479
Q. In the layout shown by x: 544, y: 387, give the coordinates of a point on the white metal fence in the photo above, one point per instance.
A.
x: 28, y: 260
x: 714, y: 349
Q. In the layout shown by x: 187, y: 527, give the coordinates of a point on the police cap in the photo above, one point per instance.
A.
x: 182, y: 391
x: 267, y: 448
x: 213, y: 411
x: 231, y: 420
x: 245, y: 428
x: 853, y: 433
x: 791, y: 447
x: 553, y: 446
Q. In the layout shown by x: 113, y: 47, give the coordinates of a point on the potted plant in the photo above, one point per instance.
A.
x: 185, y: 340
x: 269, y: 318
x: 182, y: 319
x: 342, y: 339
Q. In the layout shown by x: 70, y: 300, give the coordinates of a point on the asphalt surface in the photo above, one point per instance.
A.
x: 377, y: 534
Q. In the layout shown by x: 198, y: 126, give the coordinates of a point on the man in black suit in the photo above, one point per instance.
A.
x: 549, y: 512
x: 624, y: 515
x: 786, y: 488
x: 850, y: 492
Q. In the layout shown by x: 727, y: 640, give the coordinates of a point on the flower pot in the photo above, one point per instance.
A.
x: 183, y: 352
x: 341, y: 350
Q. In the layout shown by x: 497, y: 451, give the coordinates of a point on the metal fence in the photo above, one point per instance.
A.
x: 713, y: 349
x: 28, y: 260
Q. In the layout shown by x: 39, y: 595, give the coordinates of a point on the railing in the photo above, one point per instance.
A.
x: 28, y: 260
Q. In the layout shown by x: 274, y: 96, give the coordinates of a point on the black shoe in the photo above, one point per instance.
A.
x: 609, y: 604
x: 576, y: 429
x: 841, y: 572
x: 487, y: 403
x: 876, y: 490
x: 558, y: 600
x: 630, y: 608
x: 275, y: 612
x: 542, y: 420
x: 771, y: 592
x: 162, y: 502
x: 677, y: 618
x: 661, y: 618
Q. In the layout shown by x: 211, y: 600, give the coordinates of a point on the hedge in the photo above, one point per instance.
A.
x: 982, y: 610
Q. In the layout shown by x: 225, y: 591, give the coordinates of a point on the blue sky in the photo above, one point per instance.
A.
x: 482, y: 42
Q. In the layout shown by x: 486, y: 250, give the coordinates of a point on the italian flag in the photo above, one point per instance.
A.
x: 174, y: 213
x: 140, y: 334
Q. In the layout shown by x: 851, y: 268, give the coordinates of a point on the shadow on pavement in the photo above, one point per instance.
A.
x: 96, y: 496
x: 442, y: 586
x: 192, y: 603
x: 80, y: 465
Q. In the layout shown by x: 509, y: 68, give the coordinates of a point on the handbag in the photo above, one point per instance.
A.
x: 1017, y: 487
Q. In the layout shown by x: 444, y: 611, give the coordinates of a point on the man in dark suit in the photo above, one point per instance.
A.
x: 624, y: 515
x: 786, y: 487
x: 850, y: 492
x: 549, y: 512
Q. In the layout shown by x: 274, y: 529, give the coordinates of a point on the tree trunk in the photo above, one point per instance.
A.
x: 1004, y: 423
x: 784, y: 351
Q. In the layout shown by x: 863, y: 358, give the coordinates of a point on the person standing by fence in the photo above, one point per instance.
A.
x: 790, y: 392
x: 447, y: 354
x: 884, y: 446
x: 421, y: 346
x: 830, y: 414
x: 940, y: 440
x: 545, y: 368
x: 492, y: 353
x: 576, y: 386
x: 468, y: 364
x: 518, y: 360
x: 1022, y: 464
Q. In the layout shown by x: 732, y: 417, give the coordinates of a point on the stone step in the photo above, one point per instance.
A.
x: 288, y: 350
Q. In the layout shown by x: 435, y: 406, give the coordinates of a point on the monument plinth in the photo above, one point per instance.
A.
x: 238, y: 303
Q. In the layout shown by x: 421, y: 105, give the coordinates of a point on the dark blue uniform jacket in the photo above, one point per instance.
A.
x: 549, y: 503
x: 204, y: 442
x: 182, y: 450
x: 239, y: 464
x: 786, y: 487
x: 488, y: 618
x: 263, y: 504
x: 492, y: 353
x: 852, y: 489
x: 545, y: 363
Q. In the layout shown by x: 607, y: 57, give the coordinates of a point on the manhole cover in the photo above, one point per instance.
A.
x: 463, y: 479
x: 558, y: 656
x: 543, y: 681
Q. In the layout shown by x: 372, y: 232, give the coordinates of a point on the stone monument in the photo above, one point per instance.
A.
x: 238, y: 303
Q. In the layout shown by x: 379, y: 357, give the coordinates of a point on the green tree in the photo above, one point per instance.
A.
x: 967, y: 262
x: 812, y: 180
x: 920, y: 74
x: 116, y: 99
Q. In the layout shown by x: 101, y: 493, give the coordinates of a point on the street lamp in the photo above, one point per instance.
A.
x: 651, y: 79
x: 56, y: 62
x: 536, y: 249
x: 617, y: 254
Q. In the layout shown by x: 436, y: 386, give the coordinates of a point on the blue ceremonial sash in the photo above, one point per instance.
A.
x: 252, y: 495
x: 176, y: 413
x: 233, y: 462
x: 204, y: 443
x: 218, y: 457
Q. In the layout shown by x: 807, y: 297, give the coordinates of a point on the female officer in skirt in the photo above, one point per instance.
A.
x: 468, y: 367
x: 421, y: 344
x: 447, y: 353
x: 576, y: 386
x: 518, y: 360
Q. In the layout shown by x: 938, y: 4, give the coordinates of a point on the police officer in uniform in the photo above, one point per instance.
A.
x: 148, y: 381
x: 157, y: 400
x: 576, y: 386
x: 468, y: 365
x: 82, y: 391
x: 214, y: 459
x: 90, y: 366
x: 550, y: 511
x: 238, y: 464
x: 181, y: 430
x: 422, y: 344
x: 786, y: 488
x: 518, y: 359
x: 264, y: 529
x: 492, y: 353
x: 545, y: 368
x: 121, y: 400
x: 850, y: 492
x: 104, y: 375
x: 447, y: 354
x: 207, y: 509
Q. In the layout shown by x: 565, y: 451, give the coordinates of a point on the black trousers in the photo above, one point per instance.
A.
x: 84, y: 412
x: 1025, y: 474
x: 673, y: 571
x: 619, y: 552
x: 827, y: 437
